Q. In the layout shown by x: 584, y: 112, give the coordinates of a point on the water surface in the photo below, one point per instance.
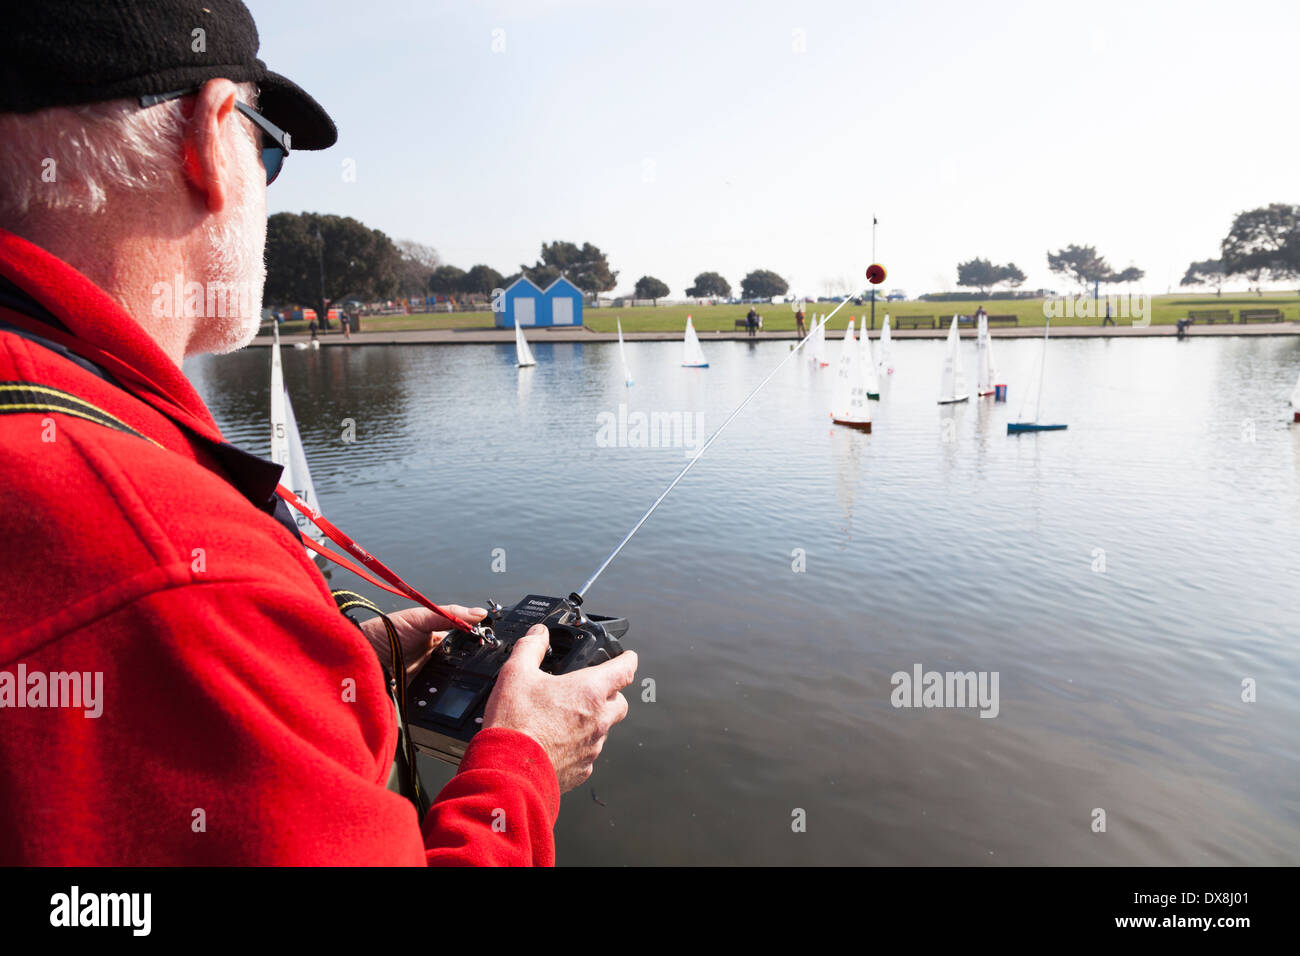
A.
x: 1122, y: 578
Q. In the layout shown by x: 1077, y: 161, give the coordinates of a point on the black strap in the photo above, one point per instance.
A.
x: 28, y: 397
x: 396, y: 676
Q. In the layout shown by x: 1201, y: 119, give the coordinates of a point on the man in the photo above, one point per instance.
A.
x: 176, y: 684
x: 751, y: 321
x: 800, y: 329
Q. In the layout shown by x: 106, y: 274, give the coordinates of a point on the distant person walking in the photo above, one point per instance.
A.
x: 800, y: 328
x: 1107, y: 320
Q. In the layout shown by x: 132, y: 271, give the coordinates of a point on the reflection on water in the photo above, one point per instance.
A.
x: 1123, y: 578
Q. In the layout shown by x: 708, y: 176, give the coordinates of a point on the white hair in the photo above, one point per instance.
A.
x: 74, y: 158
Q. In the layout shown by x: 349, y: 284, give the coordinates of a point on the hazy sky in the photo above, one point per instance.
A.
x: 682, y: 137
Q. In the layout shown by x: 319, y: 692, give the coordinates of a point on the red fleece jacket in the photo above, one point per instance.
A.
x: 227, y: 735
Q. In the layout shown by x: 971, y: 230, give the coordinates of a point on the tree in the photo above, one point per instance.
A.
x: 984, y: 275
x: 1084, y: 266
x: 481, y: 280
x: 417, y: 262
x: 1263, y: 242
x: 648, y: 287
x: 357, y: 260
x: 709, y: 284
x: 585, y: 267
x: 1207, y: 272
x: 447, y: 280
x: 762, y: 284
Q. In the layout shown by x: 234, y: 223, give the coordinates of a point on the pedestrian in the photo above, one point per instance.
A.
x: 800, y: 329
x: 1107, y: 320
x: 751, y: 321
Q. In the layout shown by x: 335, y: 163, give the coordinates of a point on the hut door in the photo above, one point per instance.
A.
x: 525, y: 310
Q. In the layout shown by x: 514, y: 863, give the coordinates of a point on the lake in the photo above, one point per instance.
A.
x: 1128, y: 581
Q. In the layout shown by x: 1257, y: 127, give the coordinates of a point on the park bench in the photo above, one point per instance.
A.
x: 1261, y: 315
x: 743, y: 324
x: 1210, y: 316
x: 913, y: 321
x: 1002, y: 320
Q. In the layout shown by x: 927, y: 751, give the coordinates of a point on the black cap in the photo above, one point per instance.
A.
x: 67, y: 52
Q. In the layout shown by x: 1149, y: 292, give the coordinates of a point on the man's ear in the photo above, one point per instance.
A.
x: 208, y: 163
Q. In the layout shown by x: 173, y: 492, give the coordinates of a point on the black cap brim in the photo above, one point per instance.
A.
x: 289, y: 107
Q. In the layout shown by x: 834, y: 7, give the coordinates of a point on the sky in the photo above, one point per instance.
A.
x: 684, y: 137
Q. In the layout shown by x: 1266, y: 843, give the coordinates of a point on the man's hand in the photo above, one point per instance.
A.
x: 419, y: 630
x: 570, y: 715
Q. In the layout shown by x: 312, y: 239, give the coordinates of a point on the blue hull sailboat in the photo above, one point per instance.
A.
x: 1017, y: 428
x: 1014, y: 427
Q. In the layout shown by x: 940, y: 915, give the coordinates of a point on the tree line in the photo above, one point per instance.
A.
x: 1262, y: 244
x: 317, y: 258
x: 1080, y: 264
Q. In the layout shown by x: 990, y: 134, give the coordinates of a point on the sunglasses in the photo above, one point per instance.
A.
x: 275, y: 141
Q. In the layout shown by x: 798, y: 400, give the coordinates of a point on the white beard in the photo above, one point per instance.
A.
x: 237, y: 247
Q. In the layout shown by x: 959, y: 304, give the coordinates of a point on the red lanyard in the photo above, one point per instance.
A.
x: 395, y: 584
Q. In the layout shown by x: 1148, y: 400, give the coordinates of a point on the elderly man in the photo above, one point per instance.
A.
x: 176, y: 683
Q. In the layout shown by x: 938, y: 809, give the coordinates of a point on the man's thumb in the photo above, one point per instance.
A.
x: 531, y: 648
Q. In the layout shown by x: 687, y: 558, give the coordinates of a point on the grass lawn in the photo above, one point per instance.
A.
x: 390, y: 323
x: 1166, y: 310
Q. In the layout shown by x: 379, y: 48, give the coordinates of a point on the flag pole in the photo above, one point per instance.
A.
x: 873, y: 259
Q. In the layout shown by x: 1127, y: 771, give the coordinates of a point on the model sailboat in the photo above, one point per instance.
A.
x: 986, y: 376
x: 870, y: 376
x: 817, y: 343
x: 1295, y: 400
x: 622, y: 355
x: 692, y: 354
x: 286, y: 446
x: 523, y: 354
x: 849, y: 404
x: 1015, y: 428
x: 885, y: 351
x: 952, y: 383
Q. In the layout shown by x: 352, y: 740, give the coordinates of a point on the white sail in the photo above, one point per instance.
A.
x: 523, y: 354
x: 986, y: 373
x: 279, y: 425
x: 817, y: 347
x: 622, y: 354
x: 299, y: 475
x: 849, y: 403
x: 286, y: 446
x: 885, y: 351
x: 952, y: 383
x: 1295, y: 395
x: 692, y: 354
x: 870, y: 375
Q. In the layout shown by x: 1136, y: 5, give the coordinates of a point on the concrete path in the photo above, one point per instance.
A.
x: 582, y: 334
